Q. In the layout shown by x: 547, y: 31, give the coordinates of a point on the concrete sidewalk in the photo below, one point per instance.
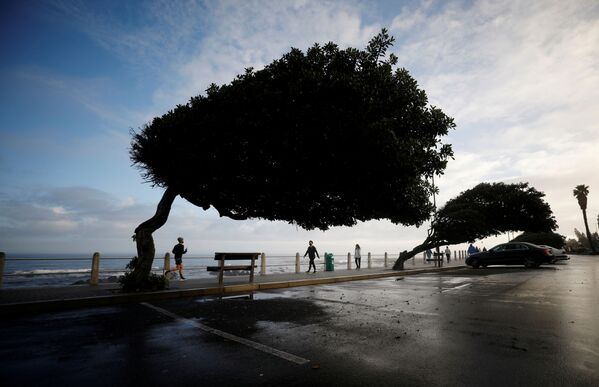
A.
x: 41, y: 299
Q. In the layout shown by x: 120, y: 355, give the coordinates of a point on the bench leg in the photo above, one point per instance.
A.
x: 221, y: 272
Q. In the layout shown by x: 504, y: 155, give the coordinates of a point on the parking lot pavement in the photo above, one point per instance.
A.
x: 495, y: 327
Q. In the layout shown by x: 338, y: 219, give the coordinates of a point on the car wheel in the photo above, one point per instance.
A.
x: 528, y: 262
x: 475, y: 264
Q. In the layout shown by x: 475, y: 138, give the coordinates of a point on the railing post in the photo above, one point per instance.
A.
x: 297, y: 263
x: 348, y: 261
x: 167, y: 263
x: 386, y: 262
x: 263, y: 264
x: 2, y: 260
x: 95, y: 269
x: 369, y: 261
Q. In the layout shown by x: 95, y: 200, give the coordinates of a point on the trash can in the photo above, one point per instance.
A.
x: 329, y: 262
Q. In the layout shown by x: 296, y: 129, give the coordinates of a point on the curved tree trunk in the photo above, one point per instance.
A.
x: 586, y: 226
x: 405, y: 255
x: 144, y: 239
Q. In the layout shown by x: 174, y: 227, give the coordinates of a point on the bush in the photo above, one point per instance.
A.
x: 129, y: 283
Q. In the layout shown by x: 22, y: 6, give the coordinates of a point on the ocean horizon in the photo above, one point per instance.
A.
x: 63, y: 269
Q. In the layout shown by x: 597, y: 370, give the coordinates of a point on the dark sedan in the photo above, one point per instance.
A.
x: 513, y: 253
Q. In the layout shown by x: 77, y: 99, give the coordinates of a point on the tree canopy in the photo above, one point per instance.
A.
x: 485, y: 210
x: 542, y: 238
x: 323, y: 138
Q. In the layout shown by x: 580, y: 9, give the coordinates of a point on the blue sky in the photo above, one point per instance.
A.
x: 520, y: 78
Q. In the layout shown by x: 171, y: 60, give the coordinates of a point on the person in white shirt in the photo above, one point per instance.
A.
x: 358, y: 256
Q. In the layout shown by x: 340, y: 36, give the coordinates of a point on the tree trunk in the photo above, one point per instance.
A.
x: 586, y: 226
x: 404, y: 256
x: 144, y: 239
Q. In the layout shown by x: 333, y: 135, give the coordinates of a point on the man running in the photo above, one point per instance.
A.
x: 179, y: 250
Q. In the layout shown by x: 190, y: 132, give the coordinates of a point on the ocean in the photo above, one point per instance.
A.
x: 30, y: 270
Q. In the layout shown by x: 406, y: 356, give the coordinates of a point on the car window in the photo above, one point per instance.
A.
x: 521, y: 247
x: 498, y: 248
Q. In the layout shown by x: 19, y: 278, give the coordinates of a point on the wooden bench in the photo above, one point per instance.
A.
x: 438, y: 257
x: 221, y: 268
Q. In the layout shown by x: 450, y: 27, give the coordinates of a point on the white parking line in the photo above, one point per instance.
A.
x: 241, y: 340
x: 455, y: 288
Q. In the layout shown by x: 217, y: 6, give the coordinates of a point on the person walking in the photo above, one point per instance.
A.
x: 179, y: 250
x: 471, y: 249
x: 447, y: 253
x: 358, y: 256
x: 312, y: 253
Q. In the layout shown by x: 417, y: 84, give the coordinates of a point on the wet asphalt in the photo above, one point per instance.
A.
x: 500, y: 326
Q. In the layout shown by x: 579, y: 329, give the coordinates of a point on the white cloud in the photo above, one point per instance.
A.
x: 253, y: 33
x: 521, y: 79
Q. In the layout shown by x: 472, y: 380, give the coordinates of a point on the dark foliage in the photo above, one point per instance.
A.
x: 583, y: 240
x: 492, y: 209
x: 323, y: 138
x: 542, y: 238
x: 486, y: 210
x: 130, y: 283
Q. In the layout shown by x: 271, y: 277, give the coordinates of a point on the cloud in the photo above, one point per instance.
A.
x: 521, y: 80
x: 254, y: 33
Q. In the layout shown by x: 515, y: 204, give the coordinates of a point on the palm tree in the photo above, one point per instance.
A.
x: 581, y: 192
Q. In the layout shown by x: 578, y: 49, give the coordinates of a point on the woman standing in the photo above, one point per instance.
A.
x: 358, y: 256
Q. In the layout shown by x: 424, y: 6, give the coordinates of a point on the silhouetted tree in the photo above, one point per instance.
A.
x: 584, y: 241
x: 581, y: 192
x: 319, y: 139
x: 542, y: 238
x: 483, y: 211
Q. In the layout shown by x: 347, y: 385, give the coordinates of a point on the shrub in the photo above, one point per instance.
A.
x: 129, y: 282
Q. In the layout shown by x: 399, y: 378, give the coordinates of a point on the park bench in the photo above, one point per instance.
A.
x: 437, y: 257
x: 221, y: 268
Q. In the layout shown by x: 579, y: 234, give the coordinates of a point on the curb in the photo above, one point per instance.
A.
x: 120, y: 299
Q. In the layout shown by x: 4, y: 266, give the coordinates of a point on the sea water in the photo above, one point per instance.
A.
x: 30, y: 270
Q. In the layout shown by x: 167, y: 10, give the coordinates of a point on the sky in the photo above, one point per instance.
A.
x: 520, y: 78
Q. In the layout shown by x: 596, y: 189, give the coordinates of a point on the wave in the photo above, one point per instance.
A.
x: 36, y: 272
x: 49, y: 272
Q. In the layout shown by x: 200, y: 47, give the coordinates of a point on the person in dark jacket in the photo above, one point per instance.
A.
x: 311, y: 253
x: 179, y: 250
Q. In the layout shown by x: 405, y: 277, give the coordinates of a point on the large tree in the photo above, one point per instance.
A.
x: 485, y: 210
x: 319, y: 139
x: 542, y: 238
x: 581, y: 192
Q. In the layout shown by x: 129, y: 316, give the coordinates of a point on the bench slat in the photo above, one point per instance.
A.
x: 232, y: 267
x: 235, y: 256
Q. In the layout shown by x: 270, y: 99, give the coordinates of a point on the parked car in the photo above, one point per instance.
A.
x: 513, y: 253
x: 558, y: 254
